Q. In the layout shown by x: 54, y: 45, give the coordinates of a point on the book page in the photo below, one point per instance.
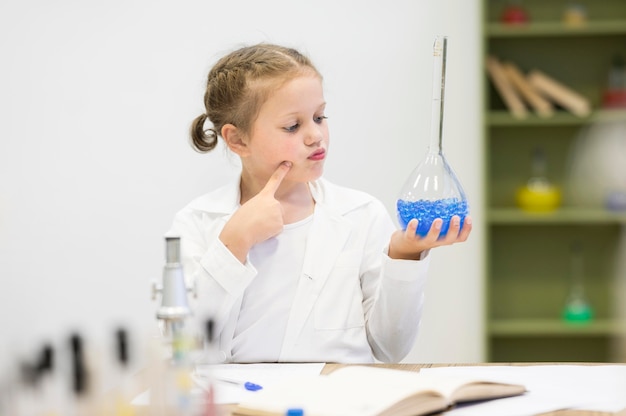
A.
x: 550, y: 387
x: 450, y: 387
x: 479, y: 390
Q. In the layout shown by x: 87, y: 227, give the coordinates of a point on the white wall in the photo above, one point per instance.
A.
x: 95, y: 102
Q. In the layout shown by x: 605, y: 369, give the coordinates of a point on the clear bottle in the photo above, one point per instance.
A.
x: 433, y: 190
x: 209, y: 407
x: 83, y: 400
x: 179, y: 374
x: 51, y: 396
x: 121, y: 401
x: 577, y: 308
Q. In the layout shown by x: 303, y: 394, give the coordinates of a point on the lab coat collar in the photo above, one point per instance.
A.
x: 223, y: 200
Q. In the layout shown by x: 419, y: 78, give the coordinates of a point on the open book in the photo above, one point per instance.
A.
x: 372, y: 391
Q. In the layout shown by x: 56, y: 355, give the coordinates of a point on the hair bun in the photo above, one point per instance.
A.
x: 203, y: 140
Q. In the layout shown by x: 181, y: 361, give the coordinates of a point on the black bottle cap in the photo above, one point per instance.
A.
x: 46, y: 359
x: 121, y: 337
x: 210, y: 328
x: 79, y: 373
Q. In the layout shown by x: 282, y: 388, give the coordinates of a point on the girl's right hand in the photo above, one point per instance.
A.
x: 408, y: 245
x: 257, y: 220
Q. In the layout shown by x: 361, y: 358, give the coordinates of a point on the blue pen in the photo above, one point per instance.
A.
x: 246, y: 384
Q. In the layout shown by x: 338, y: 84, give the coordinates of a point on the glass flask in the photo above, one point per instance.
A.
x: 538, y: 194
x: 432, y: 190
x: 577, y: 308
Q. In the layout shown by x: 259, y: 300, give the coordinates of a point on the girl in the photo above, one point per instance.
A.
x: 292, y: 267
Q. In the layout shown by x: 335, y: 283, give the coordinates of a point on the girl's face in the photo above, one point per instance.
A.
x: 291, y: 126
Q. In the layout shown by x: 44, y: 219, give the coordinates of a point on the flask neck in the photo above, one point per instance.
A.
x: 439, y: 75
x: 576, y: 270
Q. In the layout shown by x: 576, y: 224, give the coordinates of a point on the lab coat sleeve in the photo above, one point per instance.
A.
x: 393, y: 293
x: 219, y: 276
x: 395, y: 319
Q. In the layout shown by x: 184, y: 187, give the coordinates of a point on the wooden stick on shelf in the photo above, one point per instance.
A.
x: 542, y: 106
x: 506, y: 90
x: 565, y: 96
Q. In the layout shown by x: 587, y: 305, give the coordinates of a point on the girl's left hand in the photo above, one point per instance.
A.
x: 408, y: 245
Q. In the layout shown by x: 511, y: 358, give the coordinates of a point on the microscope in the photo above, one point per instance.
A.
x: 174, y: 309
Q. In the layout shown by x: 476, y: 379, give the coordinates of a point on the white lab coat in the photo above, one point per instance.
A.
x: 353, y: 303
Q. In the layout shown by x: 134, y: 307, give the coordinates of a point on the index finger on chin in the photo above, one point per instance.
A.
x: 277, y: 177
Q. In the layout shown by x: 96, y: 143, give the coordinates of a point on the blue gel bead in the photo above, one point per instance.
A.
x: 295, y: 412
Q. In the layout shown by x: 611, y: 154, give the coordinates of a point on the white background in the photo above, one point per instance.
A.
x: 96, y: 99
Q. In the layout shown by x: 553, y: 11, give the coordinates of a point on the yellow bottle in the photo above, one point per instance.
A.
x: 538, y: 194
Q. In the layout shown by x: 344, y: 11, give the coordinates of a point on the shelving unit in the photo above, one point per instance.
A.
x: 528, y: 255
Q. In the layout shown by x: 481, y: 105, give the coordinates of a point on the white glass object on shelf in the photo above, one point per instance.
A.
x: 433, y: 190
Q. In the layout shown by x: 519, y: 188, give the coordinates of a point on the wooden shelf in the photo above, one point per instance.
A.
x: 547, y: 28
x: 504, y: 118
x: 529, y: 257
x: 512, y: 216
x: 554, y: 327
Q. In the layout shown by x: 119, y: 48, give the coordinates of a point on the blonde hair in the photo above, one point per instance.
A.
x: 239, y: 84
